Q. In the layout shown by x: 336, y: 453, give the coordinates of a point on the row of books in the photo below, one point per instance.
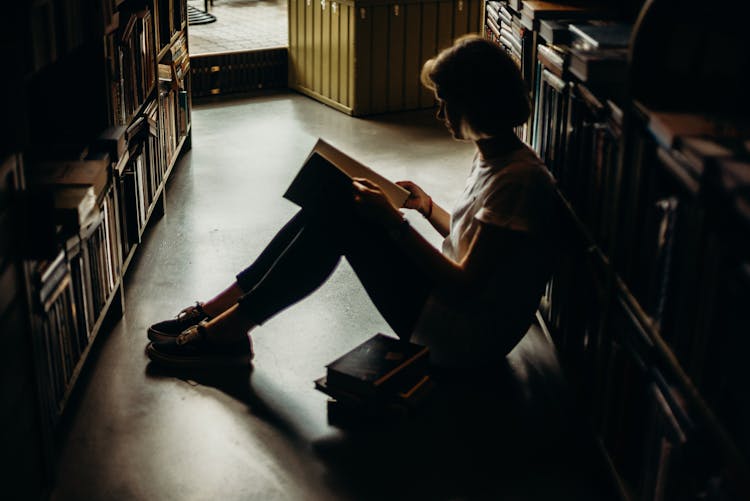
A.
x: 131, y: 60
x: 239, y: 72
x: 686, y: 265
x: 648, y: 306
x: 646, y: 422
x: 80, y: 70
x: 69, y: 294
x: 58, y: 342
x: 100, y: 206
x: 174, y: 103
x: 171, y: 18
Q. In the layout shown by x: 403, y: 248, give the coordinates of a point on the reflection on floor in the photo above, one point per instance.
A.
x: 240, y: 25
x: 138, y: 432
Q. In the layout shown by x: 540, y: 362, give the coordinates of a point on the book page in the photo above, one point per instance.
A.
x: 352, y: 168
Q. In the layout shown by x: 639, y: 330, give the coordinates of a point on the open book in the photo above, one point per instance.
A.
x: 327, y: 175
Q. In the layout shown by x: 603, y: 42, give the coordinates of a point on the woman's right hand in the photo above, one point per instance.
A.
x: 418, y: 199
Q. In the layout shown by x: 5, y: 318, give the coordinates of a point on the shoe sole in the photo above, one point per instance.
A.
x: 202, y: 362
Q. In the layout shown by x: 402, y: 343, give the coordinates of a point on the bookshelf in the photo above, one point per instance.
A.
x: 100, y: 97
x: 647, y: 137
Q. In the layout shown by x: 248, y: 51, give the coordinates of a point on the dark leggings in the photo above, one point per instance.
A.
x: 302, y: 256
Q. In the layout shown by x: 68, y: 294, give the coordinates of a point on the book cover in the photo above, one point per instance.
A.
x: 379, y: 364
x: 668, y: 127
x: 75, y: 206
x: 94, y: 173
x: 552, y: 60
x: 598, y: 36
x: 599, y: 65
x: 555, y: 31
x: 327, y: 174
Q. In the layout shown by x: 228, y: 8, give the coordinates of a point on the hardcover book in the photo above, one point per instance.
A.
x: 94, y: 173
x: 555, y: 31
x: 380, y: 364
x: 75, y: 206
x: 600, y: 35
x: 599, y: 65
x: 328, y: 172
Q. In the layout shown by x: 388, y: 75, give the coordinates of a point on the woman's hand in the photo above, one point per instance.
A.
x: 418, y: 199
x: 372, y: 203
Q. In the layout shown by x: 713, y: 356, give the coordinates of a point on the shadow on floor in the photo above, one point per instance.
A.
x: 511, y: 436
x: 235, y: 382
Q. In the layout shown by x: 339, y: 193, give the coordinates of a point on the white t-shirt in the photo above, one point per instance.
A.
x: 516, y: 192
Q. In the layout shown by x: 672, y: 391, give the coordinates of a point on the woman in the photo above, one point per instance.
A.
x: 470, y: 303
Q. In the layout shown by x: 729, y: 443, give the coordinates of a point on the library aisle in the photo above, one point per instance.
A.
x: 136, y: 432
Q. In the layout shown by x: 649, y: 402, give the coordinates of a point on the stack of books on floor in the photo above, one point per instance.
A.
x: 382, y: 381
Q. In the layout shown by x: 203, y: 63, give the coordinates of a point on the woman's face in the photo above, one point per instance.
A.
x: 450, y: 116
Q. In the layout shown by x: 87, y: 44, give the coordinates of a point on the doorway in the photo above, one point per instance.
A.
x: 237, y: 45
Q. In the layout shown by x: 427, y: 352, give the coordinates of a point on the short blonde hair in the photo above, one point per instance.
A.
x: 480, y: 78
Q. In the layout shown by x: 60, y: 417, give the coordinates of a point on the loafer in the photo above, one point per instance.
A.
x: 190, y: 350
x: 166, y: 332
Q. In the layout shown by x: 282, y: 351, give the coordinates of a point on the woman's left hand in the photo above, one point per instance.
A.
x: 372, y: 203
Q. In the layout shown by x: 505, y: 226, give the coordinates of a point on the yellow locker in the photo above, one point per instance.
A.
x: 364, y: 57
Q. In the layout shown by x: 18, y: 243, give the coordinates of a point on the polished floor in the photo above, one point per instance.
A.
x: 140, y: 433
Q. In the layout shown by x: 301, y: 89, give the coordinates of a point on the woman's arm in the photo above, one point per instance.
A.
x: 476, y: 266
x: 420, y: 201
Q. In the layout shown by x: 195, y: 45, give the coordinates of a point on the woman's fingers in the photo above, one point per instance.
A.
x: 416, y: 194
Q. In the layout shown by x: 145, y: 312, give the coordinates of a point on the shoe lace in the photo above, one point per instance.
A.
x: 190, y: 312
x: 191, y: 334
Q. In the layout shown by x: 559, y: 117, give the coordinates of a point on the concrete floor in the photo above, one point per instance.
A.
x: 137, y: 432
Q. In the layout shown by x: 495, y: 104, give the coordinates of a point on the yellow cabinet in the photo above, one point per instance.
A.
x: 364, y: 57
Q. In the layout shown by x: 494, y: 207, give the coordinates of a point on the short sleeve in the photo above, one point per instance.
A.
x: 520, y: 201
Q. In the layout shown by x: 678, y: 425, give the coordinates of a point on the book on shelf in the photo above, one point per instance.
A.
x: 555, y: 31
x: 515, y: 5
x: 506, y: 14
x: 75, y: 206
x: 112, y: 140
x: 327, y: 172
x: 382, y: 364
x: 668, y: 127
x: 85, y: 173
x: 553, y: 59
x: 599, y: 35
x: 697, y: 151
x: 492, y: 10
x: 534, y: 11
x: 49, y: 275
x: 82, y: 288
x: 598, y: 66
